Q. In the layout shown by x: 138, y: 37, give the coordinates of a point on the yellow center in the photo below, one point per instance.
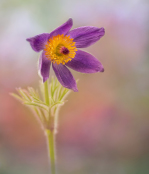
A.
x: 60, y: 49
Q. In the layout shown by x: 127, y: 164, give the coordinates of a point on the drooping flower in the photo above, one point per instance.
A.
x: 59, y: 48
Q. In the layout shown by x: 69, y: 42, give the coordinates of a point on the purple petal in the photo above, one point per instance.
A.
x: 44, y: 66
x: 86, y: 36
x: 63, y: 29
x: 85, y: 63
x: 38, y: 42
x: 65, y: 77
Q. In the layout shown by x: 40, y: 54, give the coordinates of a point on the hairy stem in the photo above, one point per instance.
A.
x: 50, y: 132
x: 46, y: 92
x: 51, y: 149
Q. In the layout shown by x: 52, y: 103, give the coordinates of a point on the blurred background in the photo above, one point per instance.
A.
x: 104, y: 128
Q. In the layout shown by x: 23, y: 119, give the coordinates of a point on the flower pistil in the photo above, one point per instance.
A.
x: 60, y: 49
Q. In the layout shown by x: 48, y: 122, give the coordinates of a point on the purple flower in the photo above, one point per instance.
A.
x: 59, y: 48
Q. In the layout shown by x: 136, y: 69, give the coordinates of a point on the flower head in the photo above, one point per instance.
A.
x: 59, y: 48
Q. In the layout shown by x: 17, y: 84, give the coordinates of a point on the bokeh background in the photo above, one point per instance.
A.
x: 104, y: 128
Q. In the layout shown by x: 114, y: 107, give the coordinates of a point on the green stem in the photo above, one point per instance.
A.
x: 50, y: 131
x: 51, y: 148
x: 46, y: 92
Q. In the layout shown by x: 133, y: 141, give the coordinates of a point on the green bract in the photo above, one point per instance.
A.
x: 37, y: 101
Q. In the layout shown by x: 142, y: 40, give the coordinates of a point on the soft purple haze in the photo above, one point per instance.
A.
x: 104, y: 127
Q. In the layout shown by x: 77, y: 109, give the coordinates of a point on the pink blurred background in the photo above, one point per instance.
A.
x: 104, y: 128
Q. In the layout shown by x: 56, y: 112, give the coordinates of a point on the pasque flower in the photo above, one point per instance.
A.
x: 60, y: 48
